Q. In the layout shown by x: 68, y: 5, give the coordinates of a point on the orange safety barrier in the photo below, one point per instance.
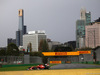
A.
x: 55, y: 62
x: 65, y: 53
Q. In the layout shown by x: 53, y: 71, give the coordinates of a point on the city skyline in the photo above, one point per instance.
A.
x: 56, y: 17
x: 22, y: 29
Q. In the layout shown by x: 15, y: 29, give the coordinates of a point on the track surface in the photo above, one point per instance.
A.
x: 74, y: 66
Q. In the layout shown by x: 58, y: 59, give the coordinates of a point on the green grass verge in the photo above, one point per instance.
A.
x: 16, y: 67
x: 53, y: 64
x: 19, y: 68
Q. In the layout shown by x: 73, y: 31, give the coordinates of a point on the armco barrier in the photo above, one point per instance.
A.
x: 90, y: 62
x: 97, y: 62
x: 17, y: 65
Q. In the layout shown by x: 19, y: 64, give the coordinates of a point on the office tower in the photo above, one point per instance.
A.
x: 18, y: 38
x: 85, y: 16
x: 25, y: 29
x: 32, y: 40
x: 85, y: 19
x: 11, y: 40
x: 80, y: 33
x: 21, y: 29
x: 88, y: 18
x: 82, y: 14
x: 93, y: 34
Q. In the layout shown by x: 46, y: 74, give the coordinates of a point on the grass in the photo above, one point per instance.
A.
x: 53, y: 64
x: 14, y: 68
x: 18, y: 68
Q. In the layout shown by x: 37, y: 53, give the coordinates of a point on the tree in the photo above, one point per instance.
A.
x: 43, y: 46
x: 2, y: 52
x: 36, y: 54
x: 29, y: 47
x: 62, y: 49
x: 12, y: 50
x: 83, y: 49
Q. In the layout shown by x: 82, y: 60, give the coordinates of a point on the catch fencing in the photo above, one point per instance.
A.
x: 20, y: 60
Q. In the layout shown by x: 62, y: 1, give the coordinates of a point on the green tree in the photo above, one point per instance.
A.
x: 12, y: 50
x: 36, y: 54
x: 2, y: 52
x: 62, y: 49
x: 83, y: 49
x: 45, y: 59
x: 29, y: 47
x: 43, y: 46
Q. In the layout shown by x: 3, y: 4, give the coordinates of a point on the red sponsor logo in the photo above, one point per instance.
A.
x: 60, y: 53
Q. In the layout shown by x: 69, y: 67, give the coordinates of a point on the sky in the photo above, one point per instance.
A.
x: 56, y: 17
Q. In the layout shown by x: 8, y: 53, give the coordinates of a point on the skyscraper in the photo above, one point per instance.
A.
x: 21, y: 29
x: 32, y: 39
x: 80, y: 33
x: 11, y: 40
x: 92, y: 38
x: 85, y: 19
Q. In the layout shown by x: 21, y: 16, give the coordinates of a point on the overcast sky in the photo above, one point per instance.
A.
x: 56, y: 17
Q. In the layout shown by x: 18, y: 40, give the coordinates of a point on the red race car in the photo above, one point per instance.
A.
x: 46, y: 66
x: 40, y: 67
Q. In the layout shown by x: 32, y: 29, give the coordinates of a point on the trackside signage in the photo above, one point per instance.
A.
x: 84, y: 52
x: 55, y: 62
x: 65, y: 53
x: 60, y: 53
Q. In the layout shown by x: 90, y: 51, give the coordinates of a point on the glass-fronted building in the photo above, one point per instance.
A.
x: 80, y: 31
x: 85, y: 19
x: 21, y: 30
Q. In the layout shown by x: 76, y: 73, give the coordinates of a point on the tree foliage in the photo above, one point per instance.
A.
x: 29, y: 47
x: 62, y: 49
x: 12, y: 50
x: 45, y: 59
x: 83, y: 49
x: 43, y: 46
x: 36, y: 54
x: 2, y: 52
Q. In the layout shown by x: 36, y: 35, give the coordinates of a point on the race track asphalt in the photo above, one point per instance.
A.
x: 74, y: 66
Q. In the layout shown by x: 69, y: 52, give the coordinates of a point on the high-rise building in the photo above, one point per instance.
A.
x: 88, y: 18
x: 80, y: 32
x: 11, y: 40
x: 32, y: 40
x: 85, y: 19
x: 93, y: 34
x: 21, y: 29
x: 82, y: 14
x: 25, y: 29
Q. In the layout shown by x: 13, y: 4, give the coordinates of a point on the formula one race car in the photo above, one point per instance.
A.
x: 46, y: 66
